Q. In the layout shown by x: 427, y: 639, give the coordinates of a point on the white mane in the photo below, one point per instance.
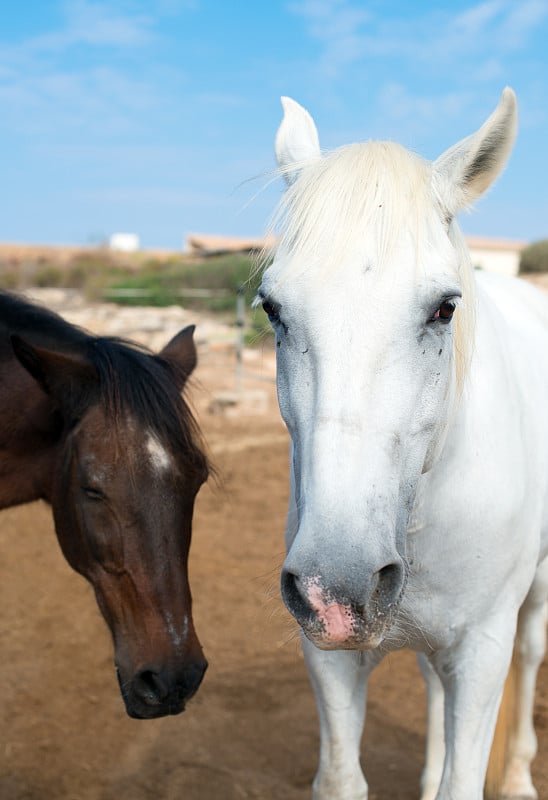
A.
x: 325, y: 214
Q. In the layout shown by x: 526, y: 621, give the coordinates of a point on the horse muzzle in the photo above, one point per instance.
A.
x: 334, y: 617
x: 158, y: 692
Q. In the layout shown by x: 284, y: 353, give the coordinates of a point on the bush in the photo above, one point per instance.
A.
x: 534, y: 258
x: 208, y: 285
x: 9, y: 277
x: 88, y: 271
x: 177, y: 281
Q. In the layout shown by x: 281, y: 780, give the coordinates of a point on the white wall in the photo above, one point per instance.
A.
x: 496, y: 256
x: 126, y: 242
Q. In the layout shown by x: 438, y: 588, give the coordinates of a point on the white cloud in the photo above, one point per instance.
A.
x: 42, y: 91
x: 176, y: 6
x: 95, y: 101
x: 338, y: 26
x: 101, y: 24
x: 219, y: 100
x: 499, y: 26
x: 460, y: 57
x: 93, y: 24
x: 472, y: 22
x: 155, y: 197
x: 349, y: 35
x: 397, y: 103
x: 521, y: 22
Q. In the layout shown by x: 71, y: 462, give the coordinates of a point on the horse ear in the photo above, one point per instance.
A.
x: 180, y: 352
x: 465, y: 171
x: 297, y: 140
x: 65, y: 377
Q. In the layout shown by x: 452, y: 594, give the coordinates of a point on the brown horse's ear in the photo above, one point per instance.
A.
x: 180, y: 353
x: 67, y: 378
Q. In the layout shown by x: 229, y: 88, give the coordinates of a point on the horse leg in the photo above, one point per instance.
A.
x: 529, y: 650
x: 473, y: 675
x: 435, y: 743
x: 339, y: 680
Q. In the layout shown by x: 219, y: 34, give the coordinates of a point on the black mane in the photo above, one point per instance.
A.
x: 40, y: 325
x: 131, y: 378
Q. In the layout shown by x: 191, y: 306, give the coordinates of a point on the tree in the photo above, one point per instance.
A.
x: 534, y: 258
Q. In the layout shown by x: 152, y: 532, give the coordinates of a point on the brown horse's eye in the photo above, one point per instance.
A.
x: 93, y: 494
x: 445, y: 311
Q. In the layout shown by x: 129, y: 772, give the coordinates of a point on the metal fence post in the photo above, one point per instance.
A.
x: 240, y: 325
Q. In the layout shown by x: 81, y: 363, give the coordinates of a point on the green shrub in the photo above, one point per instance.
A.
x: 178, y: 282
x: 9, y: 277
x: 209, y: 285
x: 534, y: 258
x: 89, y: 272
x: 48, y: 275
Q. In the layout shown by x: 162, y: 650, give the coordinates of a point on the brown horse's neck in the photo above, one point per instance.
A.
x: 29, y: 437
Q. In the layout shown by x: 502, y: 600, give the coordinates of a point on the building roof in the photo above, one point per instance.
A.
x: 204, y: 244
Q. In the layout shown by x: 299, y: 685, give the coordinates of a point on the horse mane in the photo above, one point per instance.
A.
x: 21, y: 316
x: 130, y: 380
x: 323, y: 217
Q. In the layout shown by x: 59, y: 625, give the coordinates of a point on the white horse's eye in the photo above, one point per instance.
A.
x: 445, y: 311
x: 272, y: 312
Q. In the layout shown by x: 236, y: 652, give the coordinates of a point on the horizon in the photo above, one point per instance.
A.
x: 471, y: 239
x: 118, y: 118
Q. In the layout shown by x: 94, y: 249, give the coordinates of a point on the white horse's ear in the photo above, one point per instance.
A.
x: 465, y: 171
x: 297, y: 140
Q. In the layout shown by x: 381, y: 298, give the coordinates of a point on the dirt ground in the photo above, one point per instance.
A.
x: 251, y: 732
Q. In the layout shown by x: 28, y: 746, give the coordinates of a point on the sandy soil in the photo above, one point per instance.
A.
x: 251, y: 732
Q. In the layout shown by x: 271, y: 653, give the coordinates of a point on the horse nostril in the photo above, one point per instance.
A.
x: 389, y: 584
x: 292, y: 596
x: 156, y: 686
x: 150, y: 686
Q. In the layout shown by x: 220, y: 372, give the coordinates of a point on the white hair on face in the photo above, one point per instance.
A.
x: 326, y: 214
x: 159, y: 457
x: 178, y: 638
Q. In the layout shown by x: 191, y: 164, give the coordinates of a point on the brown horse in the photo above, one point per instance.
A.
x: 99, y: 429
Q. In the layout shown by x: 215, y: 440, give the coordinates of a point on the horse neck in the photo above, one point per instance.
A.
x: 29, y: 437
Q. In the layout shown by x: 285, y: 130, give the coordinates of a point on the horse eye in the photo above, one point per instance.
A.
x: 93, y: 494
x: 271, y: 311
x: 445, y: 311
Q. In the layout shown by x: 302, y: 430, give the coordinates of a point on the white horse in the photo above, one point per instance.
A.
x: 416, y: 396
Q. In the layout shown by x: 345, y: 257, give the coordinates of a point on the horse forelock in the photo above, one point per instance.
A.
x: 336, y: 201
x: 328, y: 212
x: 144, y: 389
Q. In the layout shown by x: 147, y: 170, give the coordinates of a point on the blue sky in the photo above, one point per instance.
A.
x: 159, y: 117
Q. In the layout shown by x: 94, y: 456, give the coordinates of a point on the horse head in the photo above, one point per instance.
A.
x: 371, y: 298
x: 126, y: 473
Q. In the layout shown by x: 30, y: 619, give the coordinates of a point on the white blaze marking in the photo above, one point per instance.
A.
x: 159, y: 456
x: 177, y: 638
